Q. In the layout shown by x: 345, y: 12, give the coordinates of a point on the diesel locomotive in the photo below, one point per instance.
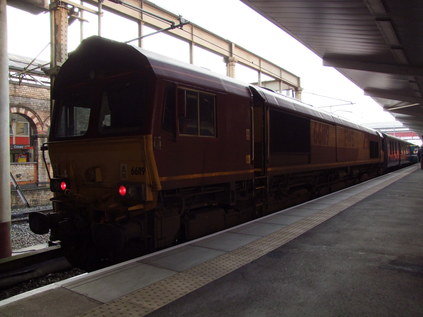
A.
x: 147, y: 151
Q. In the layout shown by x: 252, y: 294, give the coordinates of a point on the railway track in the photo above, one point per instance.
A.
x: 21, y: 268
x: 22, y: 216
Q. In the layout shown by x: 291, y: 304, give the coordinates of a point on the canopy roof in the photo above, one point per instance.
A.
x: 377, y: 44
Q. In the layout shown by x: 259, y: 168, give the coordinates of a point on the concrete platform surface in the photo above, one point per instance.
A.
x: 357, y: 252
x: 366, y: 261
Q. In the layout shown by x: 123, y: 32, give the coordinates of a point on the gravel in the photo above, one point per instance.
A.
x: 38, y: 282
x: 22, y: 239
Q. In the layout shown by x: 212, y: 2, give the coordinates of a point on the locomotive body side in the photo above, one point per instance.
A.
x: 214, y: 147
x: 202, y: 133
x: 308, y: 153
x: 303, y: 139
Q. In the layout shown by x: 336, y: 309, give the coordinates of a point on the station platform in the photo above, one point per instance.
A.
x: 356, y: 252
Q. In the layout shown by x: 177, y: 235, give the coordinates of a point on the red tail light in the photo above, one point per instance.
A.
x: 58, y: 185
x: 131, y: 193
x: 122, y: 190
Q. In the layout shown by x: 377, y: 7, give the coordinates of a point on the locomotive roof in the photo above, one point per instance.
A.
x: 172, y: 69
x: 103, y: 55
x: 392, y: 137
x: 296, y: 106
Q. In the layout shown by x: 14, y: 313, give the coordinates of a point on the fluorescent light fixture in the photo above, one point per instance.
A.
x: 404, y: 106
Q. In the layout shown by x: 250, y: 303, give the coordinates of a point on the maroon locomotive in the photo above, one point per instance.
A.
x: 147, y: 151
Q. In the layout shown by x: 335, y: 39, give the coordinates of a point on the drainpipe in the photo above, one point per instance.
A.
x: 5, y: 212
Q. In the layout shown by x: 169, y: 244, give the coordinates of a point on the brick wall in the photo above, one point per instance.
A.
x: 24, y: 173
x: 32, y: 102
x: 34, y: 196
x: 29, y: 91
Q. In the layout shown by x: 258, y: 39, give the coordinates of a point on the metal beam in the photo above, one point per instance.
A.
x: 146, y: 13
x: 351, y: 62
x: 5, y: 211
x: 31, y: 6
x: 197, y: 36
x: 387, y: 94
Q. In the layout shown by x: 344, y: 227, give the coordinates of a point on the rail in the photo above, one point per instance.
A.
x: 24, y: 267
x: 20, y: 217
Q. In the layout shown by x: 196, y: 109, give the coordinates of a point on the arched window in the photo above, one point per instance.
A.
x: 21, y: 140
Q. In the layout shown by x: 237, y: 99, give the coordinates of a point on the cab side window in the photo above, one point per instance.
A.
x: 197, y: 113
x: 169, y: 110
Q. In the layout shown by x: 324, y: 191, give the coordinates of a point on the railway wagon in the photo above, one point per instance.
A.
x: 397, y: 152
x: 147, y: 152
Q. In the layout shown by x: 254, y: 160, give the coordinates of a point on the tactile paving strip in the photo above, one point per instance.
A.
x: 161, y: 293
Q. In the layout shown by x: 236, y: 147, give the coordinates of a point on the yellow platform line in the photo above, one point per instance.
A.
x: 161, y: 293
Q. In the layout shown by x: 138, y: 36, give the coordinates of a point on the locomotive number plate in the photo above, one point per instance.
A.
x: 137, y: 170
x: 128, y: 171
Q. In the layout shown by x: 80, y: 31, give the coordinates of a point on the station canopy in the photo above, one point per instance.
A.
x: 377, y: 44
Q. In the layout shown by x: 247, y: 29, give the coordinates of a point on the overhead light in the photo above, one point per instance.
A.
x: 388, y: 32
x: 403, y: 106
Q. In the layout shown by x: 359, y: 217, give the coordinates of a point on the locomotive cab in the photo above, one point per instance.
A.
x: 101, y: 153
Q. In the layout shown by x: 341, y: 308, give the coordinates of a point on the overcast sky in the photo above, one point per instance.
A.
x: 231, y: 19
